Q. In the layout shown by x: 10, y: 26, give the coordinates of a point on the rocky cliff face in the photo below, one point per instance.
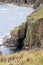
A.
x: 19, y: 35
x: 29, y: 34
x: 30, y: 38
x: 34, y: 35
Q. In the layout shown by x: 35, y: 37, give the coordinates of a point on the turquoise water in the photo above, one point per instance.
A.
x: 11, y: 16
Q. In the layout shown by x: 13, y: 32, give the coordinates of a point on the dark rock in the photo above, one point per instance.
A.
x: 18, y: 34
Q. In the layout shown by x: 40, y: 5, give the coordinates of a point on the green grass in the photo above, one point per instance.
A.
x: 38, y: 14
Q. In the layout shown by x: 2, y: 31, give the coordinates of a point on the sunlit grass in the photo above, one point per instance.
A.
x: 4, y: 63
x: 30, y: 57
x: 38, y: 14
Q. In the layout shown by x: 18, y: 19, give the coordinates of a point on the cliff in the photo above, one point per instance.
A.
x: 29, y: 34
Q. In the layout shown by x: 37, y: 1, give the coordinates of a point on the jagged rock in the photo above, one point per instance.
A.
x: 18, y: 34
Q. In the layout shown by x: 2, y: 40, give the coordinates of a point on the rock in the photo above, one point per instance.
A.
x: 37, y: 33
x: 6, y: 41
x: 37, y: 4
x: 18, y: 34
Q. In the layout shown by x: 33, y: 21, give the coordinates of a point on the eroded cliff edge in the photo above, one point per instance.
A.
x: 29, y: 34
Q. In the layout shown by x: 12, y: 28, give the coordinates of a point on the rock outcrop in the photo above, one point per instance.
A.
x: 18, y: 35
x: 34, y: 35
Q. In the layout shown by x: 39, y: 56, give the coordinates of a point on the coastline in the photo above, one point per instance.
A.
x: 22, y: 5
x: 14, y: 4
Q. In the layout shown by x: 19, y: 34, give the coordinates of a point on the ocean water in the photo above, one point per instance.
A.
x: 11, y: 16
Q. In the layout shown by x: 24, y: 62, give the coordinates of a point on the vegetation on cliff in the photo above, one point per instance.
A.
x: 29, y: 34
x: 36, y: 21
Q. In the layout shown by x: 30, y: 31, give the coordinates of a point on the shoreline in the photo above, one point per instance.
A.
x: 22, y: 5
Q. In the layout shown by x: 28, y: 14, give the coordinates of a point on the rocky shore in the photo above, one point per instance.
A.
x: 36, y: 3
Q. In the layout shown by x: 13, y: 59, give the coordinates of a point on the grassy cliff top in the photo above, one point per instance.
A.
x: 38, y: 14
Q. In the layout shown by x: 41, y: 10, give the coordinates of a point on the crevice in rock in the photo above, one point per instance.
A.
x: 26, y: 1
x: 21, y: 44
x: 21, y: 41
